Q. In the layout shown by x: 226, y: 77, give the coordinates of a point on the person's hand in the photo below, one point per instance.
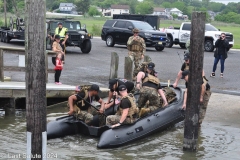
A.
x: 101, y: 110
x: 175, y: 85
x: 117, y: 101
x: 201, y: 99
x: 115, y: 125
x: 138, y: 86
x: 63, y: 42
x: 70, y: 112
x: 142, y: 56
x: 184, y: 106
x: 165, y: 104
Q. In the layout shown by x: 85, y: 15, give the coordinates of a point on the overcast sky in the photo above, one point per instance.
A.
x: 225, y: 1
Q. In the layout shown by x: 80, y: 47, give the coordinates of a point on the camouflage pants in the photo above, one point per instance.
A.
x: 203, y: 106
x: 87, y: 116
x: 169, y: 94
x: 151, y: 95
x: 136, y: 58
x: 114, y: 119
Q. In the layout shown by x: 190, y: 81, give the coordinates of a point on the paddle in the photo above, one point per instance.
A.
x: 92, y: 105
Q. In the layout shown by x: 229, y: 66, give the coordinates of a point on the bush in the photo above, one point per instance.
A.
x: 96, y: 30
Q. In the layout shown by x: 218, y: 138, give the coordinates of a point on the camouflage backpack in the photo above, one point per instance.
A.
x: 80, y: 88
x: 169, y: 94
x: 141, y: 67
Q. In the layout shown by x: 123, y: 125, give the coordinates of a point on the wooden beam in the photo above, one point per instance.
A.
x: 114, y: 65
x: 1, y: 66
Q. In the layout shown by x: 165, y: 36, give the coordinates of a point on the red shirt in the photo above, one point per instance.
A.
x: 58, y: 67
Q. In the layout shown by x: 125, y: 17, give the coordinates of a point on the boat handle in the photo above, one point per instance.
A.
x: 128, y: 133
x: 156, y: 115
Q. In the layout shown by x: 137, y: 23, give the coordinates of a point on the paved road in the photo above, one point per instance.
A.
x: 95, y: 67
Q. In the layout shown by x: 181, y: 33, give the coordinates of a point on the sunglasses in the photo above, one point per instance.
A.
x: 223, y: 36
x: 135, y: 32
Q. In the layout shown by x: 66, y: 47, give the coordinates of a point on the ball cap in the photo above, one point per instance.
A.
x: 151, y: 66
x: 135, y: 30
x: 57, y: 36
x: 186, y: 56
x: 122, y: 88
x: 112, y: 82
x: 185, y: 73
x: 95, y: 87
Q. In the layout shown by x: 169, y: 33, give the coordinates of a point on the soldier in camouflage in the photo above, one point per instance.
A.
x: 137, y: 48
x: 127, y: 110
x: 149, y: 92
x: 204, y: 97
x: 80, y: 105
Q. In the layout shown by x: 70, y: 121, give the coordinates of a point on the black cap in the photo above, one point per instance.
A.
x: 151, y: 66
x: 112, y: 82
x: 122, y: 88
x: 59, y: 23
x: 185, y: 73
x: 186, y: 56
x: 57, y: 36
x: 95, y: 87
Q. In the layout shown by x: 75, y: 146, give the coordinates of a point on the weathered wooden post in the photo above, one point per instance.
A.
x: 1, y: 66
x: 114, y: 65
x: 35, y: 77
x: 128, y: 68
x: 195, y: 81
x: 5, y: 12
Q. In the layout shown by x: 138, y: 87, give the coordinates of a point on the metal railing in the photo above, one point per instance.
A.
x: 19, y: 51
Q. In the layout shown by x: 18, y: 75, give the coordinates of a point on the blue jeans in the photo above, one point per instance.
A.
x: 219, y: 57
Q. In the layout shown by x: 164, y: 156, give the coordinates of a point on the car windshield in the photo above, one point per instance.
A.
x: 209, y: 27
x: 143, y: 26
x: 69, y: 25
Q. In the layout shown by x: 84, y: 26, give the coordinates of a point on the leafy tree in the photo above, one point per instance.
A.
x: 166, y: 4
x: 196, y: 3
x: 93, y: 11
x: 144, y: 8
x: 178, y: 5
x: 82, y: 5
x: 174, y: 16
x: 215, y: 7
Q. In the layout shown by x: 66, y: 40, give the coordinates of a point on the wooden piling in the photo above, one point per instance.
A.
x: 194, y: 81
x: 114, y: 65
x: 1, y: 66
x: 128, y: 69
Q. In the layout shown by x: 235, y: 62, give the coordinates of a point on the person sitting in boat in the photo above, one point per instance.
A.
x: 127, y: 110
x: 204, y: 97
x: 113, y: 89
x: 80, y: 104
x: 149, y: 92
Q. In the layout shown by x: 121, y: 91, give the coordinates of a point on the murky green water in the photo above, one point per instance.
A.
x: 215, y: 142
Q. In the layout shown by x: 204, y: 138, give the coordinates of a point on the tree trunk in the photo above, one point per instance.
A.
x: 35, y: 76
x: 194, y: 81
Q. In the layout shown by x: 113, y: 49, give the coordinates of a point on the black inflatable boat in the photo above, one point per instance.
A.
x: 156, y: 121
x: 69, y: 125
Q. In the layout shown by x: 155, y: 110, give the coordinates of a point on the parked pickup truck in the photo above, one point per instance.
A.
x: 182, y: 34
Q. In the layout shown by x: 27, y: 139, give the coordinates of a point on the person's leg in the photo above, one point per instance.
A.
x: 57, y: 75
x: 214, y: 66
x: 222, y: 60
x: 143, y: 98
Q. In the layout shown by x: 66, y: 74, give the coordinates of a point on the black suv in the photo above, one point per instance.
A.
x: 77, y: 34
x: 117, y: 31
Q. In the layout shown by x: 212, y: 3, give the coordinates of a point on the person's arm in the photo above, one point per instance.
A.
x: 123, y: 117
x: 179, y: 75
x: 217, y: 42
x: 70, y: 103
x: 226, y: 43
x: 144, y: 47
x: 184, y: 100
x: 202, y: 93
x: 110, y: 95
x: 140, y: 76
x: 130, y: 40
x: 160, y: 91
x: 102, y: 108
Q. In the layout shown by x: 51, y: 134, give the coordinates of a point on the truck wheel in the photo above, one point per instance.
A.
x: 159, y: 48
x: 110, y: 41
x: 208, y: 45
x: 169, y: 42
x: 86, y: 46
x: 182, y: 45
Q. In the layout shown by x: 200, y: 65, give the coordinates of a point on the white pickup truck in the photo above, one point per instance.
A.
x: 182, y: 34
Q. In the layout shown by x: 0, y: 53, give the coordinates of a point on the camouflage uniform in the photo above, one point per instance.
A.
x: 132, y: 113
x: 203, y: 106
x: 151, y: 95
x: 188, y: 45
x: 136, y: 48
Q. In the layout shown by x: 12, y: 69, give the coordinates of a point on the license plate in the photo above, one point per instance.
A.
x: 159, y: 42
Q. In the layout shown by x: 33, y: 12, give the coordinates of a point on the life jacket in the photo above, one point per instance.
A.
x: 133, y: 110
x: 61, y: 33
x: 152, y: 79
x: 77, y: 105
x: 136, y: 45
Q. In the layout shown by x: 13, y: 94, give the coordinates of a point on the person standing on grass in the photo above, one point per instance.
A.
x: 220, y: 53
x: 58, y: 68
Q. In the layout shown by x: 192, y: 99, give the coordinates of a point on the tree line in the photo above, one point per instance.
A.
x: 228, y: 13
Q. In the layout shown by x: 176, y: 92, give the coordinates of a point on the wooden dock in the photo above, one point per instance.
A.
x: 17, y: 90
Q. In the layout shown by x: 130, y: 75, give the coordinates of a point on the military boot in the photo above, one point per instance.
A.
x: 144, y: 112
